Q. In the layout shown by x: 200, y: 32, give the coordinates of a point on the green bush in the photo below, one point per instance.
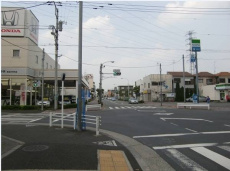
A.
x: 141, y: 101
x: 73, y: 105
x: 17, y: 107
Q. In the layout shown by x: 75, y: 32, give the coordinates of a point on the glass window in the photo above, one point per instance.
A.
x: 16, y: 53
x: 176, y: 80
x: 200, y: 80
x: 154, y: 83
x: 47, y: 65
x: 36, y: 59
x: 50, y: 66
x: 148, y: 85
x: 209, y: 81
x: 222, y: 80
x: 229, y: 80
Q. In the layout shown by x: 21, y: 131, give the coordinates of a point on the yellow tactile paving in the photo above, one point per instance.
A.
x: 113, y: 160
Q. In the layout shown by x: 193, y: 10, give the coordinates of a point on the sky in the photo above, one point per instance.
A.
x: 137, y: 35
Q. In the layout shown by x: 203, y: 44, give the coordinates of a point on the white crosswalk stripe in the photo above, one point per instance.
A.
x: 206, y: 152
x: 133, y: 107
x: 22, y: 118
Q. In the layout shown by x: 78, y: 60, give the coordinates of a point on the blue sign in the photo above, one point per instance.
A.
x: 194, y: 98
x: 192, y: 59
x: 196, y: 49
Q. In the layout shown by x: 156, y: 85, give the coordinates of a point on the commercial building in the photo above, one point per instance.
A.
x: 22, y: 62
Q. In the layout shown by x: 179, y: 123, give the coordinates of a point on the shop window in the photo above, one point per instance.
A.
x: 16, y: 53
x: 148, y: 85
x: 229, y: 80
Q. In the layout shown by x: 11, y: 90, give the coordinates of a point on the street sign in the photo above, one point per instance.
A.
x: 196, y: 45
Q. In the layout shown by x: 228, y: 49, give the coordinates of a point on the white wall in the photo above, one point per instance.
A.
x: 209, y: 90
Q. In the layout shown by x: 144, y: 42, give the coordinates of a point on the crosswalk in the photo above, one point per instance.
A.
x: 132, y: 107
x: 200, y: 157
x: 21, y: 118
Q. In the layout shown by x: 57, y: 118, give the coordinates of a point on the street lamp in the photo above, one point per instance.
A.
x: 128, y: 85
x: 100, y: 84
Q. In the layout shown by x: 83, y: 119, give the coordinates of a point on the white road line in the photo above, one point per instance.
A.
x: 173, y: 124
x: 227, y: 125
x: 110, y: 108
x: 35, y: 120
x: 114, y: 143
x: 224, y: 147
x: 117, y: 108
x: 181, y: 134
x: 217, y: 158
x: 226, y: 143
x: 163, y: 114
x: 184, y: 146
x: 190, y: 130
x: 183, y: 161
x: 192, y: 119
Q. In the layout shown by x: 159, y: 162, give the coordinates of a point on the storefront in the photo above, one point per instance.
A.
x: 224, y: 90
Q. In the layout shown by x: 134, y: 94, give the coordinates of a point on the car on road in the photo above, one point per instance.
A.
x: 201, y: 99
x: 133, y: 101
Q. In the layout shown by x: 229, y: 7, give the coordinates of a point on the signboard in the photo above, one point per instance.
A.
x: 196, y: 45
x: 19, y: 22
x: 192, y: 58
x: 223, y: 87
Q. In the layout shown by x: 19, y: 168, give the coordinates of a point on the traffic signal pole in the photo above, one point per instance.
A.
x: 43, y: 58
x: 100, y: 86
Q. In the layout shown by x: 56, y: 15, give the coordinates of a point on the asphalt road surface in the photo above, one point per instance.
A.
x: 187, y: 139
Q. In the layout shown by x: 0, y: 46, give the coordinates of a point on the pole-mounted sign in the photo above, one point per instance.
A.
x: 196, y: 45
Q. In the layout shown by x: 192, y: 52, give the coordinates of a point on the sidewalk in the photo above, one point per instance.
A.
x: 53, y: 148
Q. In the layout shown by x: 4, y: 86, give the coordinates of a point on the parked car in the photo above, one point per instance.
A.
x: 113, y: 99
x: 201, y: 99
x: 133, y: 101
x: 45, y: 103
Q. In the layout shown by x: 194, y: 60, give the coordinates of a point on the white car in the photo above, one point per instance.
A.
x: 65, y: 102
x: 133, y: 101
x: 45, y: 103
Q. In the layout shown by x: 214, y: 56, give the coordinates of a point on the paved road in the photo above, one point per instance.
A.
x: 187, y: 139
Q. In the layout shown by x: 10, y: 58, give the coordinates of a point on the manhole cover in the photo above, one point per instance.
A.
x: 35, y: 148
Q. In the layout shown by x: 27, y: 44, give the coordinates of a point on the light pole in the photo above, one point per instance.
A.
x: 100, y: 84
x: 128, y: 85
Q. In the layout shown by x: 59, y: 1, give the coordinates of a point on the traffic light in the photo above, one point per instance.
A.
x: 116, y: 73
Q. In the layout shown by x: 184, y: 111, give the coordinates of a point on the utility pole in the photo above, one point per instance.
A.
x: 161, y: 84
x: 100, y: 84
x: 43, y: 58
x: 56, y: 59
x: 197, y: 83
x: 79, y: 105
x: 183, y: 78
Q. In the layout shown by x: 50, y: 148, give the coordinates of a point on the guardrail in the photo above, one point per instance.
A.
x: 93, y: 106
x: 193, y: 105
x: 95, y: 120
x: 55, y: 117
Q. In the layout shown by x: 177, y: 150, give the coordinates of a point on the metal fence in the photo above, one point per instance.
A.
x: 89, y: 119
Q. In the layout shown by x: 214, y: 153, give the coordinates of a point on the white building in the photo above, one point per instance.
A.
x: 21, y: 61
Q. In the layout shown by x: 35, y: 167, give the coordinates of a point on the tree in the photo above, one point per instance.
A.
x: 177, y: 99
x: 136, y: 90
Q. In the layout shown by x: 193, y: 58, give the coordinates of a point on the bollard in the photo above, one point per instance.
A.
x: 50, y: 119
x: 97, y: 125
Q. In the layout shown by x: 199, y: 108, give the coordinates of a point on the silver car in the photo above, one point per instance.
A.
x: 133, y: 101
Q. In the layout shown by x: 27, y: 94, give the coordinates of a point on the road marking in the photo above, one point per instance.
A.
x: 227, y: 143
x: 181, y: 134
x: 217, y: 158
x: 192, y: 119
x: 224, y: 147
x: 190, y: 130
x: 117, y: 108
x: 227, y: 125
x: 173, y: 124
x: 184, y: 146
x: 123, y: 107
x: 183, y: 161
x: 110, y: 108
x: 163, y: 114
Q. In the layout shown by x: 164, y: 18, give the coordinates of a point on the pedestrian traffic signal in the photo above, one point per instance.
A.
x: 35, y: 84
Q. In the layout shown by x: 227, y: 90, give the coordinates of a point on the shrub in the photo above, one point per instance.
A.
x: 141, y: 101
x: 18, y: 107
